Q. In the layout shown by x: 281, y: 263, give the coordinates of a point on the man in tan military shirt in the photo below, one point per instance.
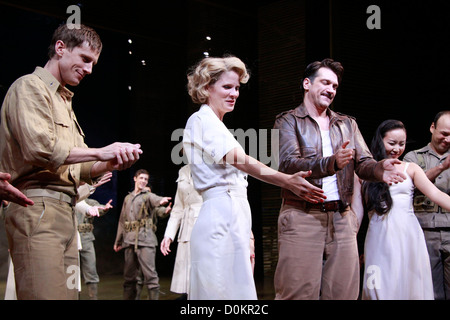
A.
x: 434, y: 159
x: 42, y: 147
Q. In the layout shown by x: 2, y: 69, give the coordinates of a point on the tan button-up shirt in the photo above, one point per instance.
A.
x: 427, y: 159
x: 38, y: 130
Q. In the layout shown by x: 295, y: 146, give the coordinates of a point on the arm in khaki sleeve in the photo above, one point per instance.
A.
x: 156, y: 202
x: 116, y: 156
x: 30, y: 118
x: 120, y: 228
x: 161, y: 211
x: 84, y: 191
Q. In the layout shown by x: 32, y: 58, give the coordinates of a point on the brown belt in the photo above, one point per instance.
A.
x: 324, y: 206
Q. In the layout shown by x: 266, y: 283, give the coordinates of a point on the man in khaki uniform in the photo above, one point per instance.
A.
x: 434, y: 159
x: 136, y: 234
x: 86, y: 210
x: 42, y: 147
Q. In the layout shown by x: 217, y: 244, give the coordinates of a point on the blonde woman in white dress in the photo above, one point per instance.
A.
x: 220, y: 251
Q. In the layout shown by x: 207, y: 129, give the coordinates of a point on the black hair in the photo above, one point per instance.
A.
x: 312, y: 69
x: 376, y: 194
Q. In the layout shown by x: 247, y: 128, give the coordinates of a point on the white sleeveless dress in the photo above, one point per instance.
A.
x: 397, y: 265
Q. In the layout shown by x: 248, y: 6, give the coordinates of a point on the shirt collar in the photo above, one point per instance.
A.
x: 51, y: 82
x: 430, y: 150
x: 302, y: 112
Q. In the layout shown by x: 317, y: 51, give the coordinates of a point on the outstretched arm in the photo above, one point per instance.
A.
x: 295, y: 182
x: 423, y: 183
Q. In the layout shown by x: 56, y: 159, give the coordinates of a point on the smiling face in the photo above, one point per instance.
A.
x: 440, y: 134
x: 320, y: 91
x: 74, y: 64
x: 224, y: 93
x: 394, y: 143
x: 140, y: 182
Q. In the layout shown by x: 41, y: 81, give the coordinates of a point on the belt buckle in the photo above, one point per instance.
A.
x: 322, y: 207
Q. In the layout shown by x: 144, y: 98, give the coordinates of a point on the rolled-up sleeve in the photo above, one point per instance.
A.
x: 34, y: 127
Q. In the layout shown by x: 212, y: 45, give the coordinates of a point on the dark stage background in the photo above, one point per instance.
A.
x: 400, y: 71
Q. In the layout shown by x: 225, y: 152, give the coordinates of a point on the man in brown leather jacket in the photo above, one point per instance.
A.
x: 318, y: 254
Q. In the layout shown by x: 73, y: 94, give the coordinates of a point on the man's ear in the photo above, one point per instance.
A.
x: 306, y: 83
x: 60, y: 47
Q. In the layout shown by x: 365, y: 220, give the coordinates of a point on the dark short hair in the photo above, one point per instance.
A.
x: 74, y: 37
x: 439, y: 115
x: 141, y: 171
x: 312, y: 69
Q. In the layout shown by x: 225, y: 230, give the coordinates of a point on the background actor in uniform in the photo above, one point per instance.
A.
x: 136, y: 234
x: 435, y: 221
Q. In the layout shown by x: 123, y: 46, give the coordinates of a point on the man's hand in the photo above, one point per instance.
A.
x: 10, y: 193
x: 93, y: 211
x: 344, y: 155
x: 391, y: 174
x: 104, y: 179
x: 164, y: 201
x: 169, y: 208
x: 120, y: 155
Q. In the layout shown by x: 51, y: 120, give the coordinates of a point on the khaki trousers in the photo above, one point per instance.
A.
x: 43, y: 246
x: 142, y: 260
x: 438, y: 245
x: 318, y: 255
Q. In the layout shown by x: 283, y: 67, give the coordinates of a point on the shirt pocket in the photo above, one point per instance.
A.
x: 80, y: 131
x: 61, y: 121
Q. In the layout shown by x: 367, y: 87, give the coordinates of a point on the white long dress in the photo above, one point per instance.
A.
x: 397, y: 266
x: 220, y: 250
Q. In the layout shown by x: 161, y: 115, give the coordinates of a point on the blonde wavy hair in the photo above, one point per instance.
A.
x: 208, y: 71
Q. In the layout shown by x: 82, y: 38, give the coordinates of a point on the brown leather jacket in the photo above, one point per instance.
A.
x: 301, y: 150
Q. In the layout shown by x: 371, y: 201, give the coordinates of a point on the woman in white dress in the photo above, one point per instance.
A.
x: 220, y: 251
x: 397, y: 266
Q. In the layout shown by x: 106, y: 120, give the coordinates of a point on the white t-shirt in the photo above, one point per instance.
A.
x: 206, y: 141
x: 329, y: 184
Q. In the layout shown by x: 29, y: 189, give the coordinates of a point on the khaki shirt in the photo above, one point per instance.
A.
x: 38, y: 130
x: 131, y: 211
x: 429, y: 214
